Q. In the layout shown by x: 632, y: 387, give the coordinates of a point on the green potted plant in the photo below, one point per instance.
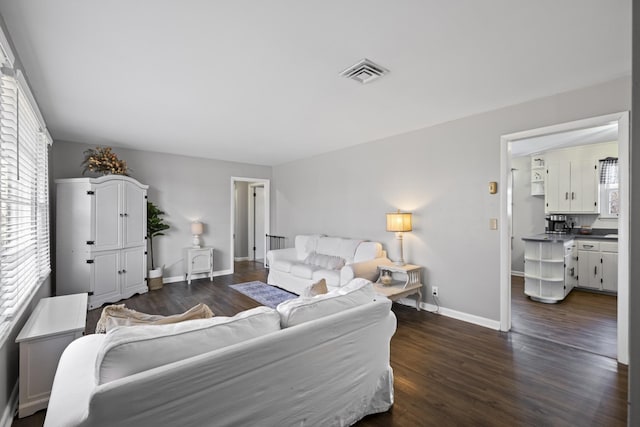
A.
x: 155, y: 227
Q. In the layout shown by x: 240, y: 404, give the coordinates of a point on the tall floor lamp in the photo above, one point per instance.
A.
x: 399, y: 222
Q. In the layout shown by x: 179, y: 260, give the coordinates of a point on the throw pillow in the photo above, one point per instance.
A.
x: 318, y: 288
x: 330, y: 262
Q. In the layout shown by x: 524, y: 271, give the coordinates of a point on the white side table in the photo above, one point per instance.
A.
x: 52, y: 326
x: 198, y: 260
x: 406, y: 281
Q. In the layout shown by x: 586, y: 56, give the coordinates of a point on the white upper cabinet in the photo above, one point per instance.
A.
x: 572, y: 181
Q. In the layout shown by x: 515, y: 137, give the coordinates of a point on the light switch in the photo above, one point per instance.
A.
x: 493, y: 223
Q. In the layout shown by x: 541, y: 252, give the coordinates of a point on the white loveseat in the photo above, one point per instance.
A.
x: 338, y: 260
x: 315, y: 361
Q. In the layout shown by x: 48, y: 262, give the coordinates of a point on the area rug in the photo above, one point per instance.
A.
x: 265, y: 294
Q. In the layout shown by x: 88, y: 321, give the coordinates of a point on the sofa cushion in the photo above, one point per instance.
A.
x: 347, y: 249
x: 331, y: 276
x: 282, y: 265
x: 304, y: 309
x: 367, y: 251
x: 304, y: 271
x: 330, y: 262
x: 132, y: 349
x: 328, y: 245
x: 305, y: 244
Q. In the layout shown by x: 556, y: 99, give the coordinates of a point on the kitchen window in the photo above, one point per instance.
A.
x: 609, y: 188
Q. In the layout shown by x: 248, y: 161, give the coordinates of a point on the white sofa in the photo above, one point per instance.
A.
x: 315, y: 361
x: 337, y: 260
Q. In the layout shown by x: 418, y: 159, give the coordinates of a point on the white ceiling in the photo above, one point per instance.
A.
x: 257, y: 81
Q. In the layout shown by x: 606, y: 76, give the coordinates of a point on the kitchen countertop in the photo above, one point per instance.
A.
x: 551, y: 237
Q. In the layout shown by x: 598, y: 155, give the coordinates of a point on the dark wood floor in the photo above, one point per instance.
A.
x: 585, y: 320
x: 448, y: 372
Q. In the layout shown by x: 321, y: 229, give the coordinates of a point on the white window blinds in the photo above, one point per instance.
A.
x: 24, y: 199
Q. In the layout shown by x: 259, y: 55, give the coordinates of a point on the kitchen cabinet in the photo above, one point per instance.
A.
x: 571, y: 185
x: 549, y: 272
x: 101, y: 228
x: 598, y: 265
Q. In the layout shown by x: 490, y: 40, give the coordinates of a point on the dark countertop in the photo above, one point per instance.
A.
x: 598, y: 234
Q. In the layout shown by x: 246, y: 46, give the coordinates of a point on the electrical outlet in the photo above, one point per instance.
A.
x: 434, y: 291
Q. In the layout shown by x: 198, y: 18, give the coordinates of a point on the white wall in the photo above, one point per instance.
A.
x: 186, y: 188
x: 441, y: 174
x: 528, y: 211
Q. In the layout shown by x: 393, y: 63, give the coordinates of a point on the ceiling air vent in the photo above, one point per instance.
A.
x: 365, y: 71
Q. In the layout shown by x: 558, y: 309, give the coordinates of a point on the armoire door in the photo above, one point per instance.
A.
x: 106, y: 219
x: 105, y: 278
x: 135, y: 215
x: 133, y: 267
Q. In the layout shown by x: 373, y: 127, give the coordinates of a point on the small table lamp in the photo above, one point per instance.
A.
x: 197, y: 228
x: 399, y: 222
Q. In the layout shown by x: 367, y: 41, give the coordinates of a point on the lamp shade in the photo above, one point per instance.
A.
x: 399, y: 221
x: 197, y: 228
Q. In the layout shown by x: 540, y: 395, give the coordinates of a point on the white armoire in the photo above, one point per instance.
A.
x: 101, y: 238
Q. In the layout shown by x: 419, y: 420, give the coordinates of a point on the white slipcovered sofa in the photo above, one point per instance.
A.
x: 315, y: 361
x: 338, y: 260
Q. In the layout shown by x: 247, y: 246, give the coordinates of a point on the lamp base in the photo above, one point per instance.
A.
x: 195, y: 243
x: 400, y: 262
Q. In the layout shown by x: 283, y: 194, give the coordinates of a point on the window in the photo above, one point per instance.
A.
x: 24, y: 197
x: 609, y: 188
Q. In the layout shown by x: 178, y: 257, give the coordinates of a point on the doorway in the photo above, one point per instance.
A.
x: 249, y: 218
x: 256, y: 223
x: 508, y: 143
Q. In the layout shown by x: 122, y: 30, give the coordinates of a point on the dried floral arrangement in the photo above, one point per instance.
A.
x: 103, y: 160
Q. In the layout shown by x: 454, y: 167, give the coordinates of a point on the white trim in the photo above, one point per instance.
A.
x: 241, y: 258
x: 174, y: 279
x: 6, y: 47
x: 11, y: 408
x: 24, y: 87
x: 517, y: 273
x: 623, y: 221
x: 251, y: 202
x: 454, y: 314
x: 267, y: 210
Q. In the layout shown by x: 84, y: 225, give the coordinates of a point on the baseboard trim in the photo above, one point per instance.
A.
x: 241, y: 258
x: 454, y: 314
x: 174, y: 279
x: 517, y: 273
x: 11, y: 408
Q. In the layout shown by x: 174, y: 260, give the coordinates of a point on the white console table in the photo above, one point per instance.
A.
x: 52, y: 326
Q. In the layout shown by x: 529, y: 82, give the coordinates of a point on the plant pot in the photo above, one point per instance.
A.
x: 155, y: 279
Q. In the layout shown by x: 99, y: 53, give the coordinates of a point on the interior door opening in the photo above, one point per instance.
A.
x: 514, y: 169
x: 249, y: 219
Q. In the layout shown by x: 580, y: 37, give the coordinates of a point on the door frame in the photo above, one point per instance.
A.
x: 267, y: 210
x: 251, y: 222
x: 622, y: 118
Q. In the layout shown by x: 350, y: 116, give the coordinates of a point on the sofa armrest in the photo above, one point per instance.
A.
x: 288, y: 254
x: 365, y: 269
